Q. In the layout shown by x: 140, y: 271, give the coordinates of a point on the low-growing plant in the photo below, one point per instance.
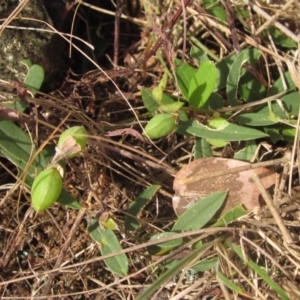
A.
x: 201, y: 111
x: 259, y: 115
x: 205, y: 91
x: 47, y: 186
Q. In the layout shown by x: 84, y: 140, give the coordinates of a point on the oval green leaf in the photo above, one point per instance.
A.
x: 108, y: 244
x: 200, y: 213
x: 171, y: 108
x: 149, y: 101
x: 202, y: 84
x: 218, y: 123
x: 160, y: 126
x: 35, y: 77
x: 184, y: 73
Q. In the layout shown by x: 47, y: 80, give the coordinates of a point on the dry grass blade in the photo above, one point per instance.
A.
x: 271, y: 19
x: 14, y: 14
x: 285, y: 233
x: 52, y: 255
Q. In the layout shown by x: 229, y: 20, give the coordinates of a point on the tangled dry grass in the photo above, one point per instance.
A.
x: 51, y: 255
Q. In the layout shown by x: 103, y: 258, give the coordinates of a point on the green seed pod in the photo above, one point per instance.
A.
x: 46, y: 189
x: 65, y: 142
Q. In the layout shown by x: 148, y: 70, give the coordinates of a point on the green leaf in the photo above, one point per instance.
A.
x: 17, y: 147
x: 231, y: 133
x: 108, y: 244
x: 72, y: 141
x: 223, y: 68
x: 68, y: 200
x: 166, y: 102
x: 240, y: 79
x: 231, y: 216
x: 289, y: 106
x: 35, y: 78
x: 229, y: 283
x: 202, y: 84
x: 163, y: 248
x: 280, y: 39
x: 234, y: 77
x: 184, y: 73
x: 255, y: 119
x: 279, y: 84
x: 160, y: 126
x: 217, y: 143
x: 241, y: 12
x: 215, y: 9
x: 218, y: 123
x: 198, y: 53
x: 272, y: 284
x: 149, y: 101
x: 158, y: 90
x: 248, y: 152
x: 200, y: 213
x: 171, y: 108
x: 214, y: 102
x: 288, y: 134
x: 27, y: 63
x: 110, y: 223
x: 16, y: 104
x: 202, y: 148
x: 274, y: 134
x: 167, y: 99
x: 250, y: 88
x: 137, y: 205
x: 205, y: 265
x: 218, y: 12
x: 182, y: 116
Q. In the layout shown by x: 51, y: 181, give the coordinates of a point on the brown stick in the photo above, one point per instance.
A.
x: 231, y: 24
x: 119, y: 10
x: 266, y: 196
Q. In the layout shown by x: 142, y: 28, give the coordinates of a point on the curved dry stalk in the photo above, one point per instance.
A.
x: 272, y: 19
x: 108, y: 12
x: 268, y: 200
x: 14, y: 13
x: 215, y: 24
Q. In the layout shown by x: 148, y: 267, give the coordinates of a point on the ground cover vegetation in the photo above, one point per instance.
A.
x: 152, y: 152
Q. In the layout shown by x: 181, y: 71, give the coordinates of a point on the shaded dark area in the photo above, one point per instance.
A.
x: 92, y: 26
